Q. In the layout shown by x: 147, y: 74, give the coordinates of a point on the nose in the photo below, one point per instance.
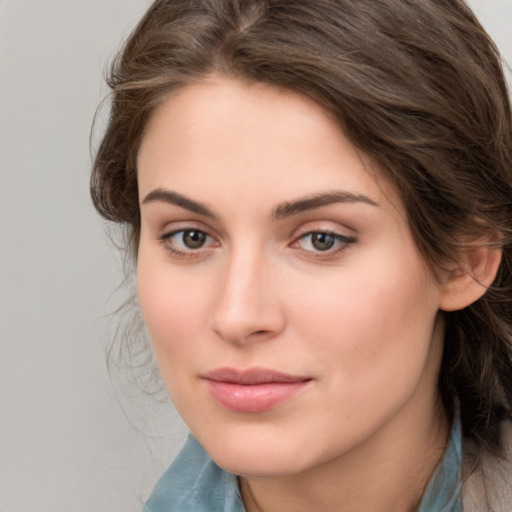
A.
x: 247, y: 306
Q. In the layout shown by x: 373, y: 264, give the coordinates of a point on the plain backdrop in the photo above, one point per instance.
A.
x: 66, y: 441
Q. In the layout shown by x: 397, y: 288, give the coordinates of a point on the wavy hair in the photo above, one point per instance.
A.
x: 417, y: 85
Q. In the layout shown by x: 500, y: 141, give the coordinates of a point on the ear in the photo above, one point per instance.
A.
x: 465, y: 284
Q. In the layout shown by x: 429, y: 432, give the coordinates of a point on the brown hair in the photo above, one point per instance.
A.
x: 416, y: 84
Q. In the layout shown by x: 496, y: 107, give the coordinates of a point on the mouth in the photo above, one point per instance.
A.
x: 252, y: 390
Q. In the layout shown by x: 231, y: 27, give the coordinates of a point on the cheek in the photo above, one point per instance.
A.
x: 370, y: 326
x: 172, y: 306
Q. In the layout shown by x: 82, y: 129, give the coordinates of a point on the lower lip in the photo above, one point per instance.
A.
x: 253, y: 398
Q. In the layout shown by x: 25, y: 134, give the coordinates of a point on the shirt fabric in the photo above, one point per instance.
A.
x: 194, y: 483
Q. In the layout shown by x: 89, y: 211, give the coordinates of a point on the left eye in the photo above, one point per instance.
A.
x: 187, y: 240
x: 321, y: 241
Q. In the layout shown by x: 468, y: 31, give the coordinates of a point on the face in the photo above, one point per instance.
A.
x: 292, y: 317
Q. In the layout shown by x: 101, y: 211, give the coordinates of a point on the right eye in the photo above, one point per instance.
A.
x: 185, y: 242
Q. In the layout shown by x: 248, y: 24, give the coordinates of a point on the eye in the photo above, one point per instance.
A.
x: 323, y: 242
x: 186, y: 241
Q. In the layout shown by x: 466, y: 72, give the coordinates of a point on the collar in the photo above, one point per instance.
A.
x: 194, y: 483
x: 443, y: 493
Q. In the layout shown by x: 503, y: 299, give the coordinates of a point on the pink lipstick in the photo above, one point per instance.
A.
x: 252, y: 390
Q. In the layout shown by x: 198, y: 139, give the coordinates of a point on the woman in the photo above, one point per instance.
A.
x: 318, y: 201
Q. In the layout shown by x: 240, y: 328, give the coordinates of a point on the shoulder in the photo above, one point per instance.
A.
x: 489, y: 486
x: 194, y: 483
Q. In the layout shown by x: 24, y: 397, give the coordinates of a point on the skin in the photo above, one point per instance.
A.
x: 360, y: 320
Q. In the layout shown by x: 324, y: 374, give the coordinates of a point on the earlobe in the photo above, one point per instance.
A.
x: 469, y: 281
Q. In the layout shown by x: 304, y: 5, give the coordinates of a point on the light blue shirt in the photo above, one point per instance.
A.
x: 194, y: 483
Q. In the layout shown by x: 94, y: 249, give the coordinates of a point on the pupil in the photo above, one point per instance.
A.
x: 322, y: 241
x: 194, y: 239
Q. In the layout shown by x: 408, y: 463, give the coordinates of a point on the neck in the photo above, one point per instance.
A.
x: 390, y: 471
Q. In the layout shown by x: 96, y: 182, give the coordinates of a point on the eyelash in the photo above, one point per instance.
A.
x: 188, y: 253
x: 343, y: 242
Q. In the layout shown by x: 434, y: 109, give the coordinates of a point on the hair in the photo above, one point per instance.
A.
x: 417, y: 85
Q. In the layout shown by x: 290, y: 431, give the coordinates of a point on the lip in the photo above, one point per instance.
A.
x: 254, y: 389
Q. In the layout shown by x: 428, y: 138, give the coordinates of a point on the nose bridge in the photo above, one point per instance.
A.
x: 246, y: 303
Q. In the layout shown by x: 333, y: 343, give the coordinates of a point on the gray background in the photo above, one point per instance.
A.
x: 66, y: 443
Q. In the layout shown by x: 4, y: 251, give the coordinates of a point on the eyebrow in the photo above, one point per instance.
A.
x: 318, y: 200
x: 283, y: 210
x: 171, y: 197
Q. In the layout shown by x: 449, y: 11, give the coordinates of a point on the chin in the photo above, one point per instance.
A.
x: 251, y: 453
x: 264, y: 465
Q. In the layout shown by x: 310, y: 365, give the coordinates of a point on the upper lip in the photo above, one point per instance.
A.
x: 251, y: 376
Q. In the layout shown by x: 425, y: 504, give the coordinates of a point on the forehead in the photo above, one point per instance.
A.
x: 226, y: 134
